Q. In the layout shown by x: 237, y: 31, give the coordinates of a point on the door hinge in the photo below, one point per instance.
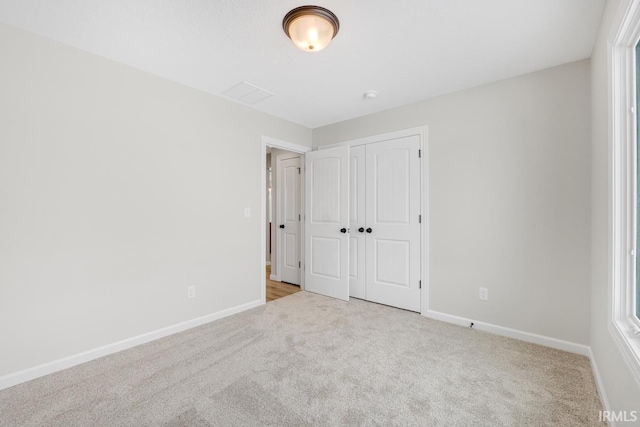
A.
x: 298, y: 217
x: 298, y: 171
x: 419, y: 153
x: 419, y: 219
x: 298, y: 264
x: 420, y: 284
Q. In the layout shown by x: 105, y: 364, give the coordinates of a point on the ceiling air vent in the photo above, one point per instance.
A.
x: 247, y: 93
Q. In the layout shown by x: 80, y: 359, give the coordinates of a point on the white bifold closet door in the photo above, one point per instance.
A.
x: 327, y: 222
x: 357, y: 222
x: 363, y: 222
x: 384, y: 262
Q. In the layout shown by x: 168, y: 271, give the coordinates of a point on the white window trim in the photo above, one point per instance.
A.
x: 623, y: 325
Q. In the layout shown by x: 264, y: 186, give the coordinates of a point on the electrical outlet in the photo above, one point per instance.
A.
x: 191, y: 291
x: 484, y: 294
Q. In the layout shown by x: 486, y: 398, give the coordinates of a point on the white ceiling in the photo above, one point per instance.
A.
x: 406, y: 50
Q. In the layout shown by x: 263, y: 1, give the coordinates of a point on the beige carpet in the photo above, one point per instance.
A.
x: 310, y: 360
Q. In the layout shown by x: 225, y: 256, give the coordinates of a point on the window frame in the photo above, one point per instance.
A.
x: 624, y: 325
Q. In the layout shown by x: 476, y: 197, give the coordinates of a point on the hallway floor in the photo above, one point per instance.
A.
x: 277, y: 290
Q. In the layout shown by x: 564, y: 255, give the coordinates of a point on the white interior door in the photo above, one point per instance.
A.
x: 289, y: 213
x: 393, y: 227
x: 357, y: 222
x: 327, y: 222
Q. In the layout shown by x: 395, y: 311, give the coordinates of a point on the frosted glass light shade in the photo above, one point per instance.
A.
x: 311, y: 28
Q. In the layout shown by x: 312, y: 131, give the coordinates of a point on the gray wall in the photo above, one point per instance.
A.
x: 622, y: 391
x: 509, y: 198
x: 119, y: 189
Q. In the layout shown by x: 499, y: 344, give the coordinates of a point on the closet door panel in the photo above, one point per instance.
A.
x: 393, y: 228
x: 326, y: 223
x: 357, y: 221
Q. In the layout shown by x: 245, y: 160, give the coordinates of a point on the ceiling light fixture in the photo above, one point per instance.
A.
x: 311, y: 28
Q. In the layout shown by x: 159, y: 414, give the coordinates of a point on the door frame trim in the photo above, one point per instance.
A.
x: 422, y: 132
x: 284, y: 145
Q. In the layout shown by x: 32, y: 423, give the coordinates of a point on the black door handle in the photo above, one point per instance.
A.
x: 343, y: 230
x: 361, y: 229
x: 369, y: 230
x: 281, y: 225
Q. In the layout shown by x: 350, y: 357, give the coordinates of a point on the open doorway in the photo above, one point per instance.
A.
x: 282, y: 261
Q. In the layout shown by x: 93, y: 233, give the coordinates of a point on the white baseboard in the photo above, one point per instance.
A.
x: 86, y: 356
x: 268, y: 263
x: 600, y: 387
x: 513, y: 333
x: 274, y: 278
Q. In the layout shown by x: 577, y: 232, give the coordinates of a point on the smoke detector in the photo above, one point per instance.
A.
x: 370, y: 94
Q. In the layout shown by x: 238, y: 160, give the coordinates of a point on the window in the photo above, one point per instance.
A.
x: 624, y: 59
x: 636, y: 290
